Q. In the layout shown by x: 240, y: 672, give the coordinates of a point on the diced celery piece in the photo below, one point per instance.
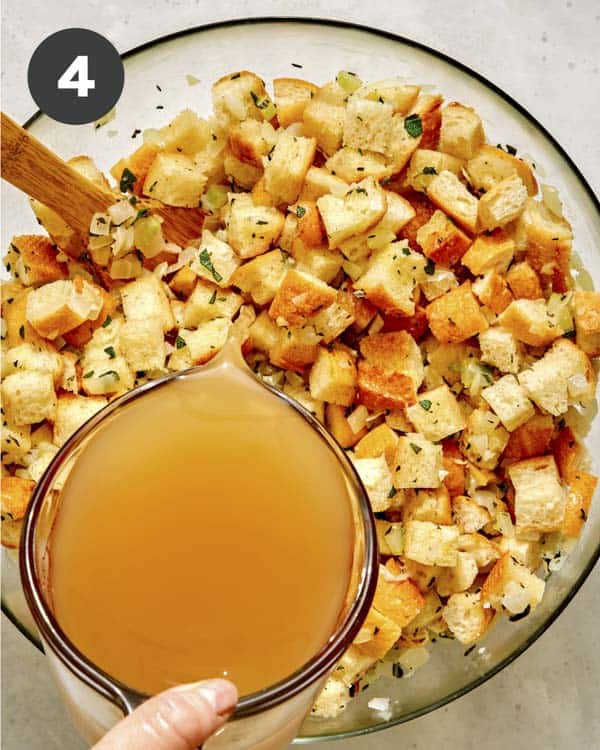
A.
x: 148, y: 236
x: 475, y: 376
x: 215, y: 198
x: 348, y: 81
x: 559, y: 310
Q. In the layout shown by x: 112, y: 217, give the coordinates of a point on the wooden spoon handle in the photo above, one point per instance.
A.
x: 37, y: 171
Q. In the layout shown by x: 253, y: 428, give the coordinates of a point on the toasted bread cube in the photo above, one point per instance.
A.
x: 145, y: 298
x: 442, y: 240
x: 291, y: 98
x: 586, y: 308
x: 509, y: 401
x: 325, y: 122
x: 380, y: 390
x: 207, y: 301
x: 377, y: 635
x: 396, y: 351
x: 338, y: 425
x: 186, y: 133
x: 461, y: 134
x: 468, y: 515
x: 524, y: 281
x: 299, y: 296
x: 579, y: 499
x: 320, y: 262
x: 427, y: 505
x: 492, y: 252
x: 142, y: 344
x: 459, y: 578
x: 353, y: 164
x: 529, y: 321
x: 512, y: 586
x: 501, y: 349
x: 546, y: 239
x: 493, y: 292
x: 286, y: 166
x: 318, y: 182
x: 367, y: 124
x: 362, y: 206
x: 503, y: 203
x: 563, y: 376
x: 138, y: 164
x: 490, y: 165
x: 60, y: 306
x: 456, y: 316
x: 483, y: 439
x: 540, y: 500
x: 28, y: 397
x: 391, y: 278
x: 104, y: 368
x: 332, y: 700
x: 333, y: 320
x: 295, y: 348
x: 262, y: 276
x: 200, y: 345
x: 453, y: 466
x: 332, y: 377
x: 252, y: 229
x: 437, y: 413
x: 466, y: 617
x: 15, y: 442
x: 34, y: 359
x: 302, y: 395
x: 250, y: 140
x: 72, y: 412
x: 425, y: 164
x: 244, y: 175
x: 448, y: 193
x: 79, y: 336
x: 376, y: 476
x: 14, y: 312
x: 447, y: 359
x: 16, y: 493
x: 431, y: 544
x: 263, y: 333
x: 401, y: 144
x: 390, y: 537
x: 33, y: 260
x: 568, y: 452
x: 216, y: 260
x: 534, y: 438
x: 352, y: 665
x: 237, y: 97
x: 308, y: 227
x: 483, y: 550
x: 418, y: 463
x: 175, y: 180
x: 380, y: 441
x: 402, y: 97
x: 401, y: 601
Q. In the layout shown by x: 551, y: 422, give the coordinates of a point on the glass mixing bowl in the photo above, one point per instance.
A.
x: 277, y: 47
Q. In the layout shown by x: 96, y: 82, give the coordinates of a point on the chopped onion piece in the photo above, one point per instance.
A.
x: 358, y: 419
x: 120, y: 212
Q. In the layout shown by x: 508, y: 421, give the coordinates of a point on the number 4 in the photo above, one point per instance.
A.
x: 76, y: 77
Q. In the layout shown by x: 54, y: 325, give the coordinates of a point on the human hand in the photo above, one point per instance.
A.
x: 180, y: 718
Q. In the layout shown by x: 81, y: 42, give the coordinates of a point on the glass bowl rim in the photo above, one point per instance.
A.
x: 583, y: 182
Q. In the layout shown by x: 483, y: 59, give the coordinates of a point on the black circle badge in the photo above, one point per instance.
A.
x: 76, y: 76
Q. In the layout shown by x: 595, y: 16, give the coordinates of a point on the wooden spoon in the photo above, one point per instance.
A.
x: 31, y: 167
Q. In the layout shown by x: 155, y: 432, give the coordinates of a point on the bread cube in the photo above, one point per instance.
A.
x: 391, y: 278
x: 237, y: 97
x: 303, y: 396
x: 367, y: 124
x: 15, y: 442
x: 427, y: 505
x: 579, y: 500
x: 461, y: 134
x: 503, y: 203
x: 453, y: 466
x: 332, y: 377
x: 509, y: 401
x: 484, y: 551
x: 468, y: 515
x: 489, y: 252
x: 292, y: 95
x: 396, y: 351
x: 377, y: 635
x: 286, y: 166
x: 138, y: 163
x: 243, y: 174
x: 186, y: 133
x: 456, y: 316
x: 145, y: 298
x: 318, y: 182
x: 531, y: 439
x: 353, y: 164
x: 431, y: 544
x: 332, y: 321
x: 299, y: 296
x: 104, y: 368
x: 307, y: 228
x: 512, y: 586
x: 563, y: 376
x: 33, y: 358
x: 16, y: 493
x: 60, y: 306
x: 250, y: 140
x: 586, y: 308
x: 72, y: 412
x: 418, y: 463
x: 490, y: 165
x: 402, y: 144
x: 425, y: 164
x: 459, y: 578
x: 262, y: 276
x: 362, y: 206
x: 175, y: 179
x: 540, y: 500
x: 568, y: 452
x: 251, y: 230
x: 529, y: 322
x: 524, y: 281
x: 483, y: 439
x: 142, y: 344
x: 215, y: 261
x: 501, y: 349
x: 437, y: 414
x: 401, y: 601
x: 207, y: 301
x: 380, y: 441
x: 70, y: 380
x: 28, y: 397
x: 295, y: 348
x: 338, y: 425
x: 442, y: 240
x: 376, y: 476
x: 33, y: 260
x: 324, y: 122
x: 200, y: 345
x: 449, y: 194
x: 466, y: 617
x: 263, y: 333
x: 332, y: 700
x: 493, y: 292
x: 380, y: 390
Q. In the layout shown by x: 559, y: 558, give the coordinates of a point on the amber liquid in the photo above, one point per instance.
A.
x: 206, y: 530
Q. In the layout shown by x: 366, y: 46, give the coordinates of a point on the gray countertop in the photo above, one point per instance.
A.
x: 543, y: 53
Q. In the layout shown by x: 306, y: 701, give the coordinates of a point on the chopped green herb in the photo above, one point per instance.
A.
x: 234, y: 76
x: 111, y: 352
x: 208, y: 264
x: 405, y: 251
x: 520, y: 615
x: 112, y: 373
x: 430, y: 267
x: 107, y: 321
x: 213, y: 297
x: 425, y: 404
x: 300, y: 211
x: 142, y: 212
x: 413, y: 126
x: 503, y: 486
x: 393, y: 492
x: 470, y: 649
x: 429, y: 170
x: 127, y: 180
x: 89, y: 374
x: 133, y: 199
x: 569, y: 334
x: 179, y: 342
x: 22, y: 331
x: 416, y: 448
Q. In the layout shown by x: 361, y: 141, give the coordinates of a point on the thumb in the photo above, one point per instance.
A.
x: 181, y: 718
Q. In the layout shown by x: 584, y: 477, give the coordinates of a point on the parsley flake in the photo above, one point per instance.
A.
x: 179, y: 342
x: 208, y: 264
x: 127, y: 180
x: 425, y: 404
x: 300, y: 211
x: 110, y: 350
x: 413, y: 126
